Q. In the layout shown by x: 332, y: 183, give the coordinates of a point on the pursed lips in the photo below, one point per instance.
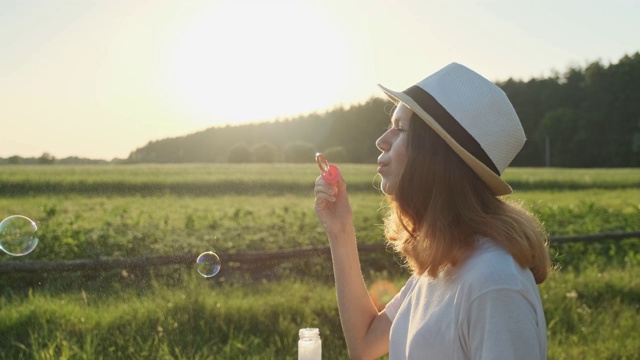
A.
x: 381, y: 164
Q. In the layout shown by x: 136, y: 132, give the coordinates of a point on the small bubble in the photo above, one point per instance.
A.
x: 208, y: 264
x: 18, y: 235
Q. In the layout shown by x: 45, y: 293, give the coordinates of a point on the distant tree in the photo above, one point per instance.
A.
x: 299, y: 152
x: 46, y: 159
x: 336, y: 154
x: 357, y: 128
x: 239, y: 153
x: 15, y: 160
x: 635, y: 148
x: 264, y: 153
x: 74, y: 160
x: 532, y: 100
x: 567, y: 138
x: 119, y: 161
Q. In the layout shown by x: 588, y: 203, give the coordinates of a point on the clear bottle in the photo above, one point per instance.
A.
x: 309, y: 345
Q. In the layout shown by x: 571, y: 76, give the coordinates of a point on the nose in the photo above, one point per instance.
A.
x: 382, y: 144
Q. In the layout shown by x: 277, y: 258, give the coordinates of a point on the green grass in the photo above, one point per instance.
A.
x: 572, y: 179
x: 590, y: 315
x: 79, y: 227
x: 199, y: 319
x: 179, y: 179
x: 227, y: 179
x: 170, y: 312
x: 593, y: 314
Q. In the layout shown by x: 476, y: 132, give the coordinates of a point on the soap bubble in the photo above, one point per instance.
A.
x: 18, y: 235
x: 208, y: 264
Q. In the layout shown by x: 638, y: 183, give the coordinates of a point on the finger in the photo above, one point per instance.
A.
x: 324, y: 187
x: 341, y: 181
x: 330, y: 190
x: 323, y: 196
x: 340, y: 186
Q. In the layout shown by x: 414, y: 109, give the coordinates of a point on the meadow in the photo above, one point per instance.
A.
x: 592, y: 301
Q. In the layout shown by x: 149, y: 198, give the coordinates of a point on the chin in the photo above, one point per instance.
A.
x: 386, y: 188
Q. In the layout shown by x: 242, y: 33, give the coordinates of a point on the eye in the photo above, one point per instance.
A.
x: 397, y: 127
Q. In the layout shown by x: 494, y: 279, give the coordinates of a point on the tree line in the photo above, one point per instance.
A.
x: 343, y: 134
x: 585, y: 117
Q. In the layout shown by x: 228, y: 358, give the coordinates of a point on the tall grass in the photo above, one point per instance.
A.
x: 590, y: 315
x: 77, y: 227
x: 593, y: 313
x: 196, y: 319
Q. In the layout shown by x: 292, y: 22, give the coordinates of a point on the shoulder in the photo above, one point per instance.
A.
x: 492, y: 268
x: 393, y: 306
x: 491, y: 284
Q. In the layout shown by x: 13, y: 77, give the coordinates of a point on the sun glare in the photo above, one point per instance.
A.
x: 239, y: 63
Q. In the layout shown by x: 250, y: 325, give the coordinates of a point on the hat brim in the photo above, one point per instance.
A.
x: 494, y: 182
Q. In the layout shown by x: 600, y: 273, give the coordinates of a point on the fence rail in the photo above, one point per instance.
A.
x: 252, y: 259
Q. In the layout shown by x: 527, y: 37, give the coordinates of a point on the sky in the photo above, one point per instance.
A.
x: 100, y: 78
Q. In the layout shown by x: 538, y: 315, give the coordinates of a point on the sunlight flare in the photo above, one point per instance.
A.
x: 240, y: 65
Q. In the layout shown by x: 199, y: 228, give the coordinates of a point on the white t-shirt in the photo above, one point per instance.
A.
x: 489, y: 308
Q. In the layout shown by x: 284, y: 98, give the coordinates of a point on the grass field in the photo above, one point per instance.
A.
x: 170, y: 312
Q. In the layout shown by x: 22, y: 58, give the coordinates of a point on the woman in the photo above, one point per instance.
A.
x: 475, y: 258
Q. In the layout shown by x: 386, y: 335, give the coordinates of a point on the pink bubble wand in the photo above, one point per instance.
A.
x: 329, y: 172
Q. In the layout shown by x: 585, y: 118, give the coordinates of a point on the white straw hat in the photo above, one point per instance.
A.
x: 472, y: 115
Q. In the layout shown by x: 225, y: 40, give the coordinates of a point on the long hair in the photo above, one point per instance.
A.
x: 440, y: 204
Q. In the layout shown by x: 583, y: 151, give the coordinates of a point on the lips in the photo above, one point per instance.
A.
x: 382, y: 165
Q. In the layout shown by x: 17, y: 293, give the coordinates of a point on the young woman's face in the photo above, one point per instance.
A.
x: 393, y: 144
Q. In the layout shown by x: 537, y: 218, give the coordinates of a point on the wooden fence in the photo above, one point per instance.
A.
x: 251, y: 259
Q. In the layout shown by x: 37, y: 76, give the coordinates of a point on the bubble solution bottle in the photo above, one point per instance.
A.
x: 309, y: 345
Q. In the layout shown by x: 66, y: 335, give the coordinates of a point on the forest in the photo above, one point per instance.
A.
x: 584, y: 117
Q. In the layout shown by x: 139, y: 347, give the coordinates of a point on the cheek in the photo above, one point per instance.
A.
x: 401, y: 160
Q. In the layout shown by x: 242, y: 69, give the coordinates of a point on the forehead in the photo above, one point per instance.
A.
x: 402, y: 113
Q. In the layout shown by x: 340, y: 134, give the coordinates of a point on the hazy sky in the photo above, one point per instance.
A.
x: 100, y: 78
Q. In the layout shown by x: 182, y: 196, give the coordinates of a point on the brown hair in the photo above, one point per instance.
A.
x: 440, y: 204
